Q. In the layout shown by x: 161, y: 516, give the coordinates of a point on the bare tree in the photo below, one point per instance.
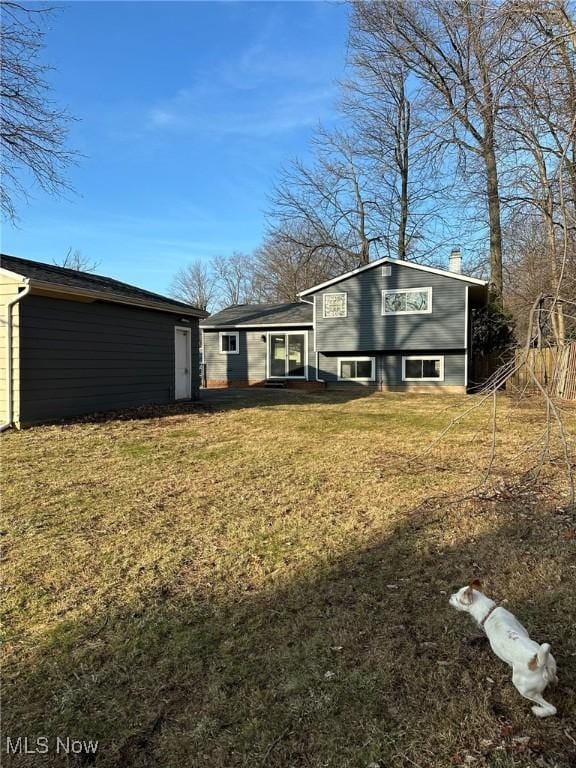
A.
x: 385, y: 111
x: 328, y: 206
x: 234, y: 278
x: 195, y: 284
x: 538, y: 130
x: 283, y: 267
x: 460, y: 51
x: 527, y: 274
x: 75, y: 259
x: 33, y: 132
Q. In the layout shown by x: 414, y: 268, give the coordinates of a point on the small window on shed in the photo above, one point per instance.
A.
x: 386, y: 270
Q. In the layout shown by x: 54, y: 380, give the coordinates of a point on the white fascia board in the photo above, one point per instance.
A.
x: 402, y: 263
x: 239, y: 326
x: 13, y: 275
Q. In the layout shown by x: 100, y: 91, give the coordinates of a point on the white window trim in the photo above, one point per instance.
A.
x: 335, y: 293
x: 287, y: 333
x: 423, y: 357
x: 351, y: 358
x: 428, y: 311
x: 229, y: 333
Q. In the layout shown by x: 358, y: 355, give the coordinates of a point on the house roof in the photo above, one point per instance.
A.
x: 388, y: 260
x: 74, y: 282
x: 258, y: 315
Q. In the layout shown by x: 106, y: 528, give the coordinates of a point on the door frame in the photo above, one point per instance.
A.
x: 287, y: 333
x: 188, y: 331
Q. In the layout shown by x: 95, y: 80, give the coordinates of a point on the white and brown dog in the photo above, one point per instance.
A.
x: 533, y: 666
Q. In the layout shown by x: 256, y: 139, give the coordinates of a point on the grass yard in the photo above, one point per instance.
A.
x: 264, y: 582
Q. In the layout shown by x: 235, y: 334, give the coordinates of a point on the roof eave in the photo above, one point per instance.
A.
x: 14, y: 275
x: 233, y: 326
x: 115, y: 299
x: 389, y: 260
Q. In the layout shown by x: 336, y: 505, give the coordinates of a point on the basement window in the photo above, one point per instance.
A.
x: 356, y: 368
x: 423, y: 368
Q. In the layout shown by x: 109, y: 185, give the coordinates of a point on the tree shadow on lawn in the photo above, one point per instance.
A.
x: 214, y: 400
x: 257, y: 397
x: 359, y: 661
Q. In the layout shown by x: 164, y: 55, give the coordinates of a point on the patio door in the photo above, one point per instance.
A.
x: 287, y: 355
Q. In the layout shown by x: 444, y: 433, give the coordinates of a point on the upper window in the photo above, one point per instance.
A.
x: 356, y: 368
x: 334, y: 305
x: 423, y: 368
x: 229, y: 343
x: 409, y: 301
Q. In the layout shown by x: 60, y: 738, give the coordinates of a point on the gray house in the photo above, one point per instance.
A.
x: 73, y: 343
x: 389, y: 325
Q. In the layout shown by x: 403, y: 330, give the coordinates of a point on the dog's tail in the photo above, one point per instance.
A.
x: 543, y: 654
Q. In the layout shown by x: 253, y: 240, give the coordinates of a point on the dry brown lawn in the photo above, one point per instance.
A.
x: 264, y: 583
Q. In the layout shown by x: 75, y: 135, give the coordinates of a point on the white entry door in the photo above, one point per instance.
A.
x: 183, y: 350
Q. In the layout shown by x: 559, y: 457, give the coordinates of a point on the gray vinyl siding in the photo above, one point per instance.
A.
x: 365, y: 328
x: 84, y: 357
x: 250, y: 362
x: 388, y: 371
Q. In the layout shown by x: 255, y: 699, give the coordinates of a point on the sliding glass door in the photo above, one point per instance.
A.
x: 287, y: 355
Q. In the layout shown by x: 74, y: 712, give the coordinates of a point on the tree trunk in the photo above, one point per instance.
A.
x: 547, y: 208
x: 404, y: 133
x: 364, y: 242
x: 493, y: 195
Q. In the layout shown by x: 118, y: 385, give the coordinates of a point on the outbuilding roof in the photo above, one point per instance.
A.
x: 99, y: 287
x: 257, y: 315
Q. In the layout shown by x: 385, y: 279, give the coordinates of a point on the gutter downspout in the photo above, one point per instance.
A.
x: 9, y: 361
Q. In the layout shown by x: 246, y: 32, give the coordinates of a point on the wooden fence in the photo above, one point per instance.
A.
x: 554, y: 367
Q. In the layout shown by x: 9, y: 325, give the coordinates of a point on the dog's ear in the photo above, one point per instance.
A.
x: 467, y: 596
x: 533, y: 663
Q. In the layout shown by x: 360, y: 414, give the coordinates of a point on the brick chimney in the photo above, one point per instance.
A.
x: 455, y: 260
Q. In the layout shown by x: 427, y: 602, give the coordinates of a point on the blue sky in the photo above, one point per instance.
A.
x: 186, y: 111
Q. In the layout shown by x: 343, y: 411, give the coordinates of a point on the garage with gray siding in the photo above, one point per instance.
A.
x: 91, y: 344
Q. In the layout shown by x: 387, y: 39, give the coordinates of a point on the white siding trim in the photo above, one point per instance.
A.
x: 314, y: 321
x: 240, y: 326
x: 466, y: 341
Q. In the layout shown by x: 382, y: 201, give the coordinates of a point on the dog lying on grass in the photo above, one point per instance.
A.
x: 533, y: 666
